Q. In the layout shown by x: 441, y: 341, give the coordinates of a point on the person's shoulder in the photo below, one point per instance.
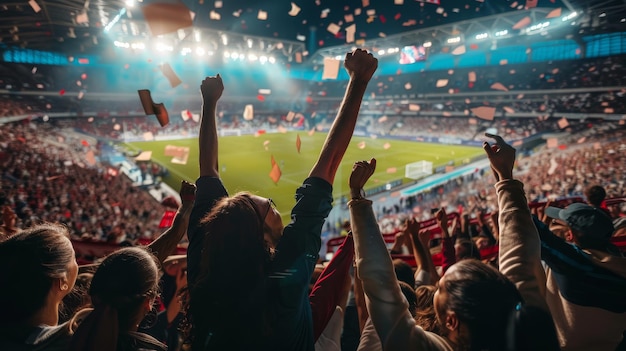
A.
x: 134, y: 341
x: 44, y: 337
x: 436, y: 341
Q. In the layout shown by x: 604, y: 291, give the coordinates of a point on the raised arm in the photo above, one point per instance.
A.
x: 165, y: 244
x: 211, y: 88
x: 520, y: 248
x: 360, y: 66
x: 447, y: 241
x: 386, y: 304
x: 425, y: 273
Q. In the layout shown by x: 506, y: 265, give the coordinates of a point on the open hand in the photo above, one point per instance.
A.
x: 361, y: 172
x: 212, y: 88
x: 360, y: 65
x: 501, y: 156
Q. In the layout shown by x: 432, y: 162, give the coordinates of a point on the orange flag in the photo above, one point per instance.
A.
x: 273, y: 161
x: 298, y: 142
x: 275, y: 173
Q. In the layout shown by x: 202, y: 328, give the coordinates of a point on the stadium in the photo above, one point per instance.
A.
x: 107, y: 119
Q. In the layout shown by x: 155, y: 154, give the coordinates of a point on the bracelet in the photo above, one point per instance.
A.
x: 361, y: 195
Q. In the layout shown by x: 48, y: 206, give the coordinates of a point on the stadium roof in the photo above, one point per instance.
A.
x: 61, y: 25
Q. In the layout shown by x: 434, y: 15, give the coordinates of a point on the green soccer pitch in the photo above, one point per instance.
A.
x: 245, y: 161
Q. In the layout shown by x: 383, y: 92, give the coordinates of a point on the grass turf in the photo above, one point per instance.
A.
x: 245, y: 162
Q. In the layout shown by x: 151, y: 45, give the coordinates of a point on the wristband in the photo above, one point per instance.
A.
x: 361, y: 195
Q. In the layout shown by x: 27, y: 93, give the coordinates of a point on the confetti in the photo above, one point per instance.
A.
x: 35, y: 6
x: 295, y: 10
x: 554, y: 13
x: 499, y: 86
x: 331, y: 68
x: 164, y: 18
x: 484, y: 112
x: 333, y: 28
x: 441, y: 83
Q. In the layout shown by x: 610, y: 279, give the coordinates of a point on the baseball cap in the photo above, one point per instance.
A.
x: 591, y: 222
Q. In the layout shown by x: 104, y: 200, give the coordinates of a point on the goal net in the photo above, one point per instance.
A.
x: 417, y: 170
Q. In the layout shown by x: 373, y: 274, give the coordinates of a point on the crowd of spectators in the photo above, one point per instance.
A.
x: 592, y: 157
x: 244, y: 283
x: 47, y: 177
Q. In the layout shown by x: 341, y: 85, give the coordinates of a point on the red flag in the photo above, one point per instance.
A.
x: 298, y: 142
x: 275, y: 173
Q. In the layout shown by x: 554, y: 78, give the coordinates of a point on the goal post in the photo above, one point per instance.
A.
x: 417, y: 170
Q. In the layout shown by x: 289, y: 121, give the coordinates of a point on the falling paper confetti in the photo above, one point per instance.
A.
x: 499, y: 86
x: 248, y: 112
x: 331, y: 68
x: 484, y: 112
x: 442, y: 83
x: 295, y: 10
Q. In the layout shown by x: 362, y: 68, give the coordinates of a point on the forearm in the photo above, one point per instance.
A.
x: 520, y: 248
x: 386, y: 304
x: 369, y: 338
x: 396, y: 248
x: 359, y: 300
x: 340, y: 133
x: 487, y: 231
x: 165, y: 244
x: 208, y: 140
x: 448, y: 254
x: 420, y: 254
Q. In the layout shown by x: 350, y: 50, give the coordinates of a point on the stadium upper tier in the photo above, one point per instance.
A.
x: 576, y: 87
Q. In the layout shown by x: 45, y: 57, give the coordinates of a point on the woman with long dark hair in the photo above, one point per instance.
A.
x: 248, y: 275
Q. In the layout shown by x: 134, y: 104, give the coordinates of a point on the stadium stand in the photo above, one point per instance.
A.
x: 518, y: 245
